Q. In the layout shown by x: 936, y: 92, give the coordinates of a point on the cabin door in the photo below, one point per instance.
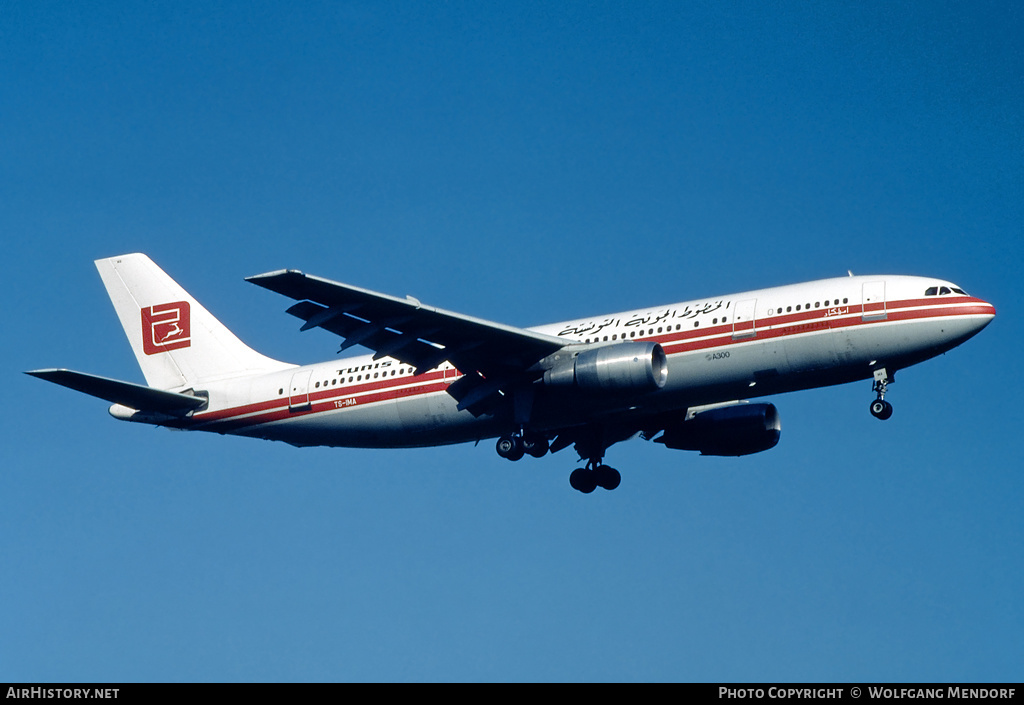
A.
x: 743, y: 323
x: 298, y: 391
x: 874, y: 302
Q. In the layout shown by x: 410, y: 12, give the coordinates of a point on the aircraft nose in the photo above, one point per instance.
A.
x: 983, y: 312
x: 965, y: 320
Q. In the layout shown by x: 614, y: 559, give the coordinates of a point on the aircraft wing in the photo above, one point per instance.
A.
x: 493, y: 356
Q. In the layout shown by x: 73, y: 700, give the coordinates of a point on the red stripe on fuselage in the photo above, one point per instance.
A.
x: 767, y: 327
x: 334, y: 399
x: 779, y: 326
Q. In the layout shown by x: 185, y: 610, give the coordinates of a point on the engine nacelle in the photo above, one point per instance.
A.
x: 618, y: 367
x: 740, y: 429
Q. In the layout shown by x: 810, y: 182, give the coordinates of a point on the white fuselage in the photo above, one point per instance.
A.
x: 718, y: 349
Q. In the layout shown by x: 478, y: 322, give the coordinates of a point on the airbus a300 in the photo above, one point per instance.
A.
x: 680, y: 374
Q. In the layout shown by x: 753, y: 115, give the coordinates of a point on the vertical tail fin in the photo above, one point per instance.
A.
x: 177, y: 342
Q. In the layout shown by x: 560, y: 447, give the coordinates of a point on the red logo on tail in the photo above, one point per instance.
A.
x: 166, y: 327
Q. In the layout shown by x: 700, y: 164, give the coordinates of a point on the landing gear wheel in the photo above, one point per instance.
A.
x: 582, y: 480
x: 881, y: 409
x: 510, y: 447
x: 606, y: 477
x: 587, y: 479
x: 536, y: 446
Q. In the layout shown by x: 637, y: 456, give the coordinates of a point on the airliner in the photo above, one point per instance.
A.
x: 681, y: 374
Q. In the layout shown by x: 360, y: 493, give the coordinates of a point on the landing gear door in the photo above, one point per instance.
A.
x: 743, y: 324
x: 874, y: 302
x: 298, y: 393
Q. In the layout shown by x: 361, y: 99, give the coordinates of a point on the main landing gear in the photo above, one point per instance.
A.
x: 586, y: 479
x: 595, y: 475
x: 516, y: 445
x: 880, y: 408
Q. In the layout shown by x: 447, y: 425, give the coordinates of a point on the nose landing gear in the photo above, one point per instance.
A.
x: 880, y: 408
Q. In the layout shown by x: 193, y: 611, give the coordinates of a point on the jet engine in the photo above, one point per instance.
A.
x: 739, y: 429
x: 618, y: 367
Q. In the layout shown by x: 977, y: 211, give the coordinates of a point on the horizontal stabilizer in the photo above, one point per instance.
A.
x: 135, y: 396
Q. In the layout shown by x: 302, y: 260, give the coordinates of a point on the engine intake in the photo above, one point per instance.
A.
x: 740, y: 429
x: 619, y: 367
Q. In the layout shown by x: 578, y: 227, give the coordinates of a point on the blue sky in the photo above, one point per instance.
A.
x: 525, y: 163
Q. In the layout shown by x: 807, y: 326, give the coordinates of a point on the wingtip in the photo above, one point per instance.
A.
x: 257, y: 278
x: 45, y: 372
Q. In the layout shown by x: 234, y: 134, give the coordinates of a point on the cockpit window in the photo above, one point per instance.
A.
x: 944, y: 290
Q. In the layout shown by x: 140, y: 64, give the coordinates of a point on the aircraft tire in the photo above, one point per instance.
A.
x: 607, y: 477
x: 582, y: 481
x: 510, y: 447
x: 881, y: 409
x: 535, y: 446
